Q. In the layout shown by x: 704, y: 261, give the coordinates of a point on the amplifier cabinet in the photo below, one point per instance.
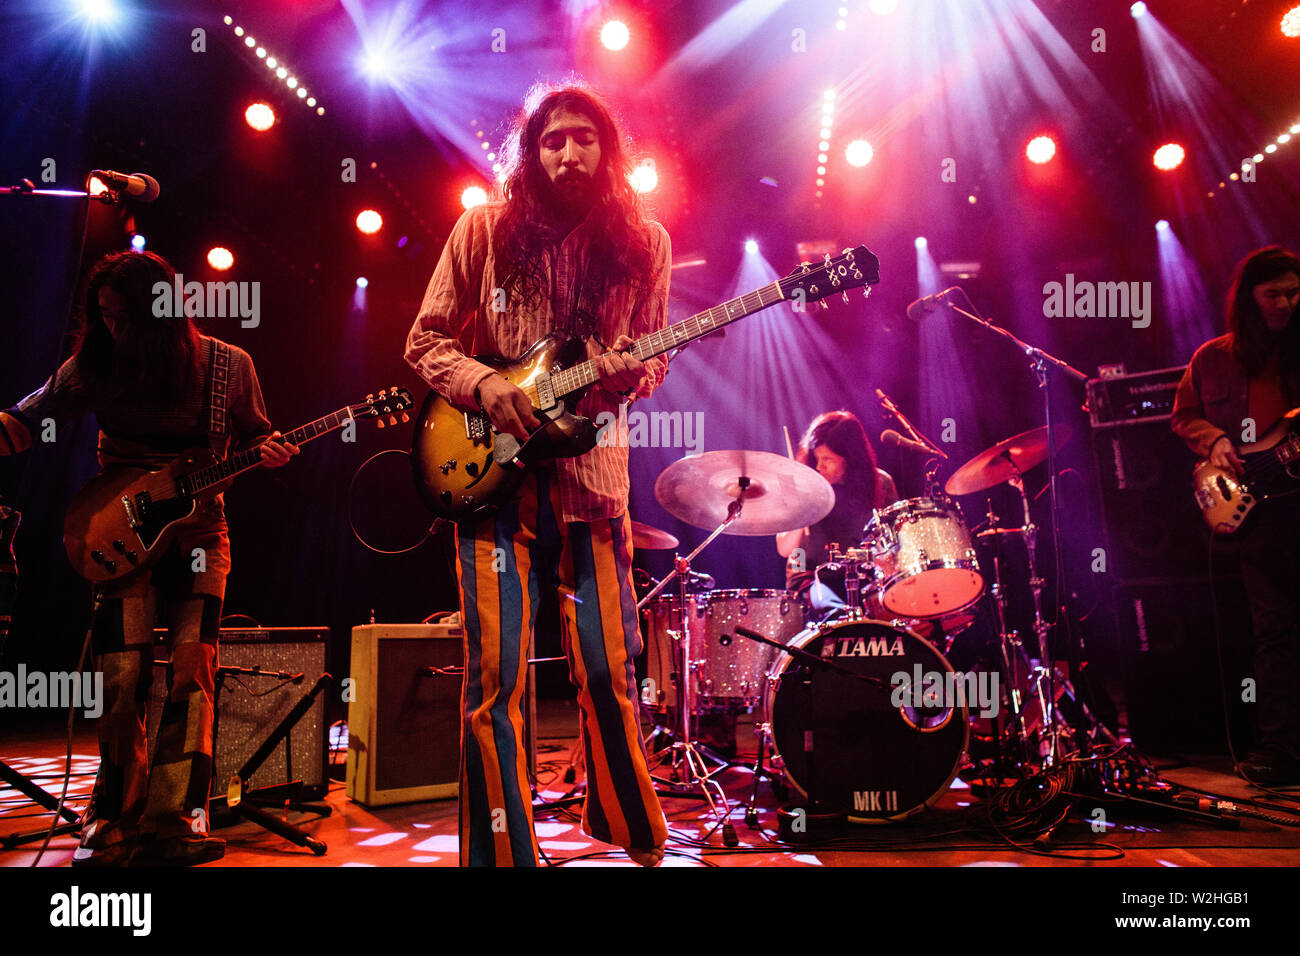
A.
x: 250, y: 707
x: 404, y: 713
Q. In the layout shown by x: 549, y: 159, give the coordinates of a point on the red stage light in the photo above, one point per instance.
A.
x: 370, y: 222
x: 1169, y: 156
x: 1041, y: 149
x: 615, y: 35
x: 260, y: 116
x: 220, y: 258
x: 473, y: 196
x: 859, y: 152
x: 1291, y: 22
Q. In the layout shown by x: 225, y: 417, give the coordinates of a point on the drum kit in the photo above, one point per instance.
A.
x: 837, y: 690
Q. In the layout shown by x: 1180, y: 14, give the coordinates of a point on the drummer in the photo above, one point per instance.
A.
x: 836, y: 445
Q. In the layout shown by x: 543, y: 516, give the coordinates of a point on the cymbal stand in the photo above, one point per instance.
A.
x: 1009, y: 643
x: 688, y: 769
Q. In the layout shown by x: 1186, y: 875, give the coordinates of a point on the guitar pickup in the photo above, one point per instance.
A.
x: 478, y: 428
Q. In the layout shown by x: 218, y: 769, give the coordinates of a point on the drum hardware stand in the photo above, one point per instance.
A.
x: 1039, y: 362
x: 687, y: 767
x: 1009, y: 643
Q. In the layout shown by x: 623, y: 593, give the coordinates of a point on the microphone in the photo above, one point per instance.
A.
x: 926, y: 304
x: 893, y: 438
x: 136, y: 185
x: 705, y: 581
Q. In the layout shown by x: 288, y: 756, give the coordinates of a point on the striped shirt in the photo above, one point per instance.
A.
x: 461, y: 316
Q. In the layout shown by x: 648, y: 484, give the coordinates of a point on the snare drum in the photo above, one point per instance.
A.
x: 925, y: 557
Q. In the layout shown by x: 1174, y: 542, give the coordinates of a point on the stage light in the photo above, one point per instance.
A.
x: 1040, y: 149
x: 239, y: 31
x: 1271, y: 148
x: 96, y: 186
x: 226, y: 20
x: 282, y: 73
x: 644, y: 178
x: 1284, y: 139
x: 473, y: 196
x: 1162, y: 225
x: 292, y: 82
x: 751, y: 246
x: 1258, y: 157
x: 859, y: 152
x: 271, y: 62
x: 1169, y: 156
x: 261, y: 52
x: 302, y: 92
x: 829, y: 95
x: 369, y: 221
x: 921, y: 242
x: 1291, y: 22
x: 250, y: 42
x: 101, y: 11
x: 614, y: 35
x: 362, y: 282
x: 320, y: 111
x: 260, y: 116
x: 1138, y: 9
x: 883, y: 7
x: 220, y: 258
x: 137, y: 243
x: 311, y: 101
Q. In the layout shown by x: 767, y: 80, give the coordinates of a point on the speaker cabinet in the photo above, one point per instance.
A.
x: 404, y: 713
x: 1171, y: 662
x: 1153, y: 526
x: 250, y: 707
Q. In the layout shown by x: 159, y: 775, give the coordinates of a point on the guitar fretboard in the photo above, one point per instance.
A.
x: 656, y: 343
x: 204, y: 478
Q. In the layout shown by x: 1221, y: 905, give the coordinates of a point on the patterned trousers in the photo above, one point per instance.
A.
x: 135, y: 796
x: 503, y: 564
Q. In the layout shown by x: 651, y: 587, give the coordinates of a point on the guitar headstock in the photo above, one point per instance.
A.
x: 385, y: 407
x: 854, y: 268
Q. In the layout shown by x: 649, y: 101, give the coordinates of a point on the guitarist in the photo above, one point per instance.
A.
x: 1253, y: 373
x: 146, y: 379
x: 569, y: 251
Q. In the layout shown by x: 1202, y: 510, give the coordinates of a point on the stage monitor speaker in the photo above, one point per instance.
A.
x: 1153, y: 526
x: 1171, y: 662
x: 249, y: 708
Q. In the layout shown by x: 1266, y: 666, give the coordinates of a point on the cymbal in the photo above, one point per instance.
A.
x: 649, y: 538
x: 781, y: 494
x: 1000, y: 463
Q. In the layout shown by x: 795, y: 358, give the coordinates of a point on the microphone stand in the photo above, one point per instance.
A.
x: 1042, y: 364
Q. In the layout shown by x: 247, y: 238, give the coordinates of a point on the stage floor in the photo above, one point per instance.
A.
x: 954, y: 832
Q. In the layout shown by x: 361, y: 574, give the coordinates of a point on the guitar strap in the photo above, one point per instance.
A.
x: 218, y: 396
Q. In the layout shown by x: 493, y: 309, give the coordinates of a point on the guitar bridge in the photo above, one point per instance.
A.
x: 133, y: 519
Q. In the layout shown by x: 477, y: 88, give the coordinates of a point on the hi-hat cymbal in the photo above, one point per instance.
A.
x: 649, y: 538
x: 1003, y: 461
x: 780, y: 493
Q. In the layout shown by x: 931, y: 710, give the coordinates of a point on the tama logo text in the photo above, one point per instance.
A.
x: 863, y: 647
x: 78, y: 909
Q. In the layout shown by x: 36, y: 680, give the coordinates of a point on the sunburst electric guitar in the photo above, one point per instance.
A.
x: 1272, y: 469
x: 123, y: 520
x: 465, y: 468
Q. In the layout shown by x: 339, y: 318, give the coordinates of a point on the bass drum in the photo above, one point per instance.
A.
x: 878, y: 752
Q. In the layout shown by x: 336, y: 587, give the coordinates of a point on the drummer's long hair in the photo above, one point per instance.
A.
x: 843, y: 434
x: 1251, y: 339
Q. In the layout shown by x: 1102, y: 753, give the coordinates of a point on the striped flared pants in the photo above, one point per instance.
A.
x: 504, y: 562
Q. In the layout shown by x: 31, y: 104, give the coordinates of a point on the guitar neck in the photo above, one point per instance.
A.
x: 205, y: 478
x: 688, y: 330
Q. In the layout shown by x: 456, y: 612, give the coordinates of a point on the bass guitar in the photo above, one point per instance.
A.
x: 464, y: 468
x: 1272, y: 469
x: 124, y: 519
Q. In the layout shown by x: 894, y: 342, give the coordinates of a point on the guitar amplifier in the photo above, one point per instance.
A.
x: 404, y: 713
x: 249, y: 708
x: 1124, y: 399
